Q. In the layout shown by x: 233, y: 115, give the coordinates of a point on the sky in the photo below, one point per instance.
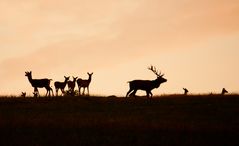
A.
x: 194, y: 43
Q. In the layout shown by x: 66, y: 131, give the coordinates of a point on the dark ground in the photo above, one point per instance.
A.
x: 108, y: 121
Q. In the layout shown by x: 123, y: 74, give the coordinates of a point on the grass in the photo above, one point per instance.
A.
x: 166, y: 120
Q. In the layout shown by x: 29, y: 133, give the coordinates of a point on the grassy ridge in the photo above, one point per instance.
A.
x: 166, y: 120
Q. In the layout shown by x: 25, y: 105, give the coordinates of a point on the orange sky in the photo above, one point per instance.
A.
x: 195, y: 43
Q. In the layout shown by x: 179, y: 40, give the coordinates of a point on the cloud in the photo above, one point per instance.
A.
x: 144, y: 28
x: 181, y: 23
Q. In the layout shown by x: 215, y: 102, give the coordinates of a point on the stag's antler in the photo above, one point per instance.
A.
x: 154, y: 70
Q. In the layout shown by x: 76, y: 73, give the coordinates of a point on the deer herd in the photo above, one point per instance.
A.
x: 45, y: 83
x: 134, y: 85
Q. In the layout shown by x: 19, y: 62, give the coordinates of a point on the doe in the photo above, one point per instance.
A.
x: 84, y: 83
x: 40, y: 83
x: 71, y: 85
x: 61, y: 85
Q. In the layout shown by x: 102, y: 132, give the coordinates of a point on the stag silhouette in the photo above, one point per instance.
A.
x: 61, y: 85
x: 224, y: 91
x: 185, y: 91
x: 84, y: 83
x: 146, y: 85
x: 39, y: 83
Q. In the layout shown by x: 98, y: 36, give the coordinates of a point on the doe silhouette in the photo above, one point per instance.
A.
x: 61, y: 85
x: 84, y: 83
x: 146, y: 85
x: 39, y: 83
x: 185, y: 91
x: 224, y: 91
x: 71, y: 85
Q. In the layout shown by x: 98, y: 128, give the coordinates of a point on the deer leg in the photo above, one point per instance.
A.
x: 62, y: 92
x: 36, y: 91
x: 151, y: 94
x: 88, y: 91
x: 52, y: 91
x: 147, y: 93
x: 49, y: 91
x: 133, y: 93
x: 57, y: 91
x: 46, y: 91
x: 79, y: 89
x: 128, y: 92
x: 83, y: 93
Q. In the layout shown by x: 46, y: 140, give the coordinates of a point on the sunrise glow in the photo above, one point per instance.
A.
x: 194, y: 43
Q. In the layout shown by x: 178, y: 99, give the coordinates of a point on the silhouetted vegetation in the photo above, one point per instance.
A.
x: 166, y: 120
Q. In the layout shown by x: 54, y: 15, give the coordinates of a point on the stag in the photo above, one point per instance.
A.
x: 224, y: 91
x: 185, y: 91
x: 84, y: 83
x: 39, y: 83
x: 71, y: 84
x: 61, y: 85
x: 146, y: 85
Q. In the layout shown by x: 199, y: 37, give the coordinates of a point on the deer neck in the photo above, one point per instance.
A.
x: 30, y: 79
x: 156, y: 83
x: 89, y: 79
x: 65, y: 82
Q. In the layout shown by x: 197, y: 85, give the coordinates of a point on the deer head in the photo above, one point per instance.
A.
x: 154, y: 70
x: 66, y: 78
x: 90, y: 74
x: 74, y: 78
x: 27, y: 73
x: 158, y: 74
